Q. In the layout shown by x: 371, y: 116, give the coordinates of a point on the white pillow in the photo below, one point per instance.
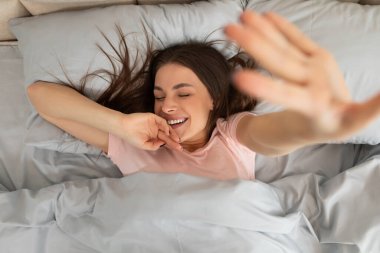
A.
x: 71, y: 38
x: 351, y: 32
x: 10, y: 9
x: 38, y: 7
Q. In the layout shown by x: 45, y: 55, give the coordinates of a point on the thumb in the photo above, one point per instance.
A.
x: 375, y: 102
x: 370, y: 109
x: 361, y: 114
x: 162, y: 124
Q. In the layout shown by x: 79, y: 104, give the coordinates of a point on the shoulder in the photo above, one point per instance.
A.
x: 229, y: 126
x: 232, y: 121
x: 227, y: 129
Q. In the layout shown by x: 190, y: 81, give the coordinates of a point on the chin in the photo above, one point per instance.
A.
x: 182, y: 134
x: 182, y: 137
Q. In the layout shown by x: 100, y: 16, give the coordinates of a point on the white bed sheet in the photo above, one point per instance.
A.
x: 301, y: 181
x: 15, y: 108
x: 23, y: 166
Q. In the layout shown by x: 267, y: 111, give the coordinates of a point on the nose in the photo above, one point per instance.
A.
x: 169, y: 106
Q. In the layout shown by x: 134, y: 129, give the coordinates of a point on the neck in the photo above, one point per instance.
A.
x: 192, y: 145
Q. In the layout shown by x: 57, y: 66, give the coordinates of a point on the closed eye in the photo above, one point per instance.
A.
x: 159, y: 98
x: 184, y: 95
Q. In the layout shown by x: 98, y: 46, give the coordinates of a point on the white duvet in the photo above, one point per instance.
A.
x: 180, y: 213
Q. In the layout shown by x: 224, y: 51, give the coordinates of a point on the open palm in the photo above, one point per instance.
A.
x: 308, y: 79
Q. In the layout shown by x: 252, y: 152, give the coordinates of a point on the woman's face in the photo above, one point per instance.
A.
x: 183, y: 100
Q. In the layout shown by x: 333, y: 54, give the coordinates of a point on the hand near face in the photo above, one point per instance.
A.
x: 308, y: 78
x: 148, y: 131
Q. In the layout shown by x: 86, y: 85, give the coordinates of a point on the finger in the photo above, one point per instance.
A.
x: 168, y: 141
x: 167, y: 129
x: 364, y: 113
x: 174, y: 135
x: 292, y: 33
x: 274, y: 91
x: 273, y: 35
x: 276, y: 61
x: 374, y: 105
x: 153, y: 144
x: 325, y: 76
x: 162, y: 124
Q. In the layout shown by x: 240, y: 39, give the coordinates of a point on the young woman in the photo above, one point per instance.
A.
x: 180, y: 113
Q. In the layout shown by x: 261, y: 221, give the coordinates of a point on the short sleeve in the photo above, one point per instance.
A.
x: 233, y: 121
x: 125, y: 156
x: 115, y: 145
x: 228, y: 127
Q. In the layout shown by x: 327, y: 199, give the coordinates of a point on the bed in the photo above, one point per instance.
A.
x: 58, y: 194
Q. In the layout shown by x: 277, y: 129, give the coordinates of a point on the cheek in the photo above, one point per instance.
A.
x: 202, y: 113
x: 157, y: 108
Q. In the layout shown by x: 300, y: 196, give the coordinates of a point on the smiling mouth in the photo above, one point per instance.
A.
x: 176, y: 122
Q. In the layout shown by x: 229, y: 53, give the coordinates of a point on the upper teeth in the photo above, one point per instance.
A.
x: 175, y: 121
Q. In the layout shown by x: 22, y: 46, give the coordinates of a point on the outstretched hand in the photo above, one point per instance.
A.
x: 148, y: 131
x: 308, y: 78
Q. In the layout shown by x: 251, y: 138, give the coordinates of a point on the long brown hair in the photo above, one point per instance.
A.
x: 130, y: 87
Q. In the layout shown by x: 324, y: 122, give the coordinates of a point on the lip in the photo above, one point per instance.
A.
x: 179, y: 125
x: 175, y: 118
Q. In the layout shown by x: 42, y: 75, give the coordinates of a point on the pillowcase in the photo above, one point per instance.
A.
x: 70, y: 38
x: 9, y: 9
x: 351, y: 32
x: 38, y: 7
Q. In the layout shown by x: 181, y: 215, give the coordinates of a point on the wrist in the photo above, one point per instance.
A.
x: 115, y: 122
x: 300, y: 128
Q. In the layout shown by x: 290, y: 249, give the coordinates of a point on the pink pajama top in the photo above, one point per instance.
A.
x: 222, y: 158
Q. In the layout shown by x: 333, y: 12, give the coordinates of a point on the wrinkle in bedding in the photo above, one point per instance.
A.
x: 176, y: 211
x: 319, y: 199
x: 162, y: 214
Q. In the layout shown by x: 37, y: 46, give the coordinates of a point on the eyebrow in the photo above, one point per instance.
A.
x: 175, y: 87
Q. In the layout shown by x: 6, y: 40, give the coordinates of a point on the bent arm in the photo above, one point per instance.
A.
x: 278, y: 133
x: 74, y: 113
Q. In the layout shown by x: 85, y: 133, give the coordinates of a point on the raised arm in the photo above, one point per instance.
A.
x: 308, y: 84
x: 91, y: 122
x: 74, y: 113
x: 277, y: 133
